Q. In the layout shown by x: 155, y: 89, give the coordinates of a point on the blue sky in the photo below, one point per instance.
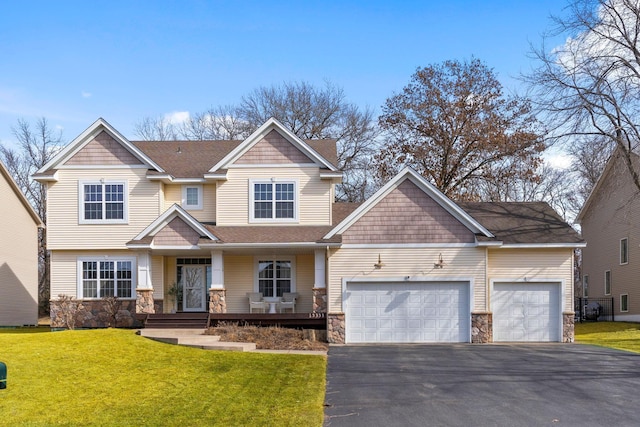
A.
x: 75, y: 61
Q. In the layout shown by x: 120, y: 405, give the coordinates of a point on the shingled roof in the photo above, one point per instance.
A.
x: 522, y: 223
x: 193, y: 159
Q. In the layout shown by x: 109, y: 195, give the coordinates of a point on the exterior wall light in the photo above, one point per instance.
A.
x: 378, y: 265
x: 439, y: 263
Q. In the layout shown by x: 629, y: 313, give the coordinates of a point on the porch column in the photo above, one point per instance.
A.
x: 217, y: 292
x: 144, y: 290
x: 320, y: 283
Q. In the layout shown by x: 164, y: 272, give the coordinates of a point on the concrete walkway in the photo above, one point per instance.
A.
x: 197, y: 339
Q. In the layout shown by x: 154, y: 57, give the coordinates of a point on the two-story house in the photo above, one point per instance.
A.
x: 224, y: 219
x: 610, y: 226
x: 19, y: 225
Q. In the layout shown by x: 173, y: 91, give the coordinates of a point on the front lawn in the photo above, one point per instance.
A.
x: 620, y: 335
x: 114, y: 377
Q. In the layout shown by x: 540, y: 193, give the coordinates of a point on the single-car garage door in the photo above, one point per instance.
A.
x: 526, y: 312
x: 407, y: 312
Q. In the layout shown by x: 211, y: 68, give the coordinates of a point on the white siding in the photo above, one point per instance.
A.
x: 460, y: 263
x: 64, y: 232
x: 314, y: 195
x: 534, y: 264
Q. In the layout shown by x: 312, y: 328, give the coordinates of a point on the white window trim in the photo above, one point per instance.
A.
x: 103, y: 182
x: 605, y: 282
x: 273, y: 181
x: 256, y: 266
x: 187, y: 206
x: 585, y: 286
x: 627, y: 309
x: 134, y: 276
x: 625, y: 239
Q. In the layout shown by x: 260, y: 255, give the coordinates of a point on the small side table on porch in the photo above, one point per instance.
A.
x: 273, y: 302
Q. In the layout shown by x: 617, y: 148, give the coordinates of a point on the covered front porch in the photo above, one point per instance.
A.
x: 217, y: 282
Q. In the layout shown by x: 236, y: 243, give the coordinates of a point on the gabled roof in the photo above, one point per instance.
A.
x: 408, y: 173
x: 14, y: 186
x: 175, y: 211
x: 596, y: 188
x: 87, y: 136
x: 255, y: 137
x: 523, y: 223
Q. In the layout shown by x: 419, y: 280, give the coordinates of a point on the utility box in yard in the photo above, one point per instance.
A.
x: 3, y: 375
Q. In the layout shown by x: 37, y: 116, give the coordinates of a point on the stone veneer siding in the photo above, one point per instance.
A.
x: 335, y: 328
x: 568, y: 325
x: 144, y: 301
x: 217, y: 300
x: 91, y: 314
x: 481, y: 328
x: 319, y: 300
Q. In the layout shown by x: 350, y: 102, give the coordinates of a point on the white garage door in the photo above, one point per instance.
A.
x: 526, y: 312
x: 407, y: 312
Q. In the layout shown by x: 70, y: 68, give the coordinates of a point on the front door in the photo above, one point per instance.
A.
x: 193, y: 277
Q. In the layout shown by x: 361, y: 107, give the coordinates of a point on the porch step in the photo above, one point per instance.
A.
x: 177, y: 321
x: 194, y: 338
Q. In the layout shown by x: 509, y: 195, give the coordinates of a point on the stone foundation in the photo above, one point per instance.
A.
x: 319, y: 300
x: 217, y: 300
x: 568, y: 325
x: 335, y: 328
x: 481, y: 328
x: 92, y: 314
x: 144, y: 301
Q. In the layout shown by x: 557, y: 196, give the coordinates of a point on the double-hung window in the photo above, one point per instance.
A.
x: 275, y: 277
x: 607, y: 282
x: 99, y: 278
x: 103, y: 202
x: 192, y: 197
x: 273, y: 201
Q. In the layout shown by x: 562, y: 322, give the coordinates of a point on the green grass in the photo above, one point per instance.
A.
x: 619, y: 335
x: 114, y: 377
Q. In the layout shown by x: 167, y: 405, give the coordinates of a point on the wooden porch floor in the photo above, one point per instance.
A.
x: 203, y: 320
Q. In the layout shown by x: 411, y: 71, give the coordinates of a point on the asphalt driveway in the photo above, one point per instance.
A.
x: 482, y: 385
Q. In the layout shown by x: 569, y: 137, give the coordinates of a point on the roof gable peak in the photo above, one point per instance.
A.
x: 87, y: 136
x: 260, y: 133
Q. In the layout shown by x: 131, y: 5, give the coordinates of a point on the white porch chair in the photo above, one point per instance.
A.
x: 256, y: 302
x: 288, y: 302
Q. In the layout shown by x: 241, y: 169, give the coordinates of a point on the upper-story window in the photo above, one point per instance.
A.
x: 273, y: 201
x: 103, y: 202
x: 624, y: 251
x: 192, y: 197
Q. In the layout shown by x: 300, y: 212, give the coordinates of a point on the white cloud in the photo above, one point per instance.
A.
x: 557, y: 160
x: 177, y: 117
x: 86, y: 94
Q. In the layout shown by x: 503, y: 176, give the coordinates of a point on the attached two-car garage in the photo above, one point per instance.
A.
x: 407, y: 312
x: 432, y: 312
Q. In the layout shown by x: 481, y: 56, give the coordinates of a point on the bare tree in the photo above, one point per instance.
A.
x: 36, y: 146
x: 588, y: 87
x: 453, y: 124
x: 156, y: 129
x: 217, y: 123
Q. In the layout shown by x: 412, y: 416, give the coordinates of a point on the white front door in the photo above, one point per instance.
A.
x: 193, y: 278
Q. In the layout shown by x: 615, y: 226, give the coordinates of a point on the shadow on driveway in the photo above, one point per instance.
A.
x: 481, y: 385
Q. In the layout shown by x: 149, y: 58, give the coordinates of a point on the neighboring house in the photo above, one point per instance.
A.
x: 19, y: 225
x: 227, y: 218
x: 610, y: 226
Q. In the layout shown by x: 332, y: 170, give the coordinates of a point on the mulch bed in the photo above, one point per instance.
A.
x: 267, y: 337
